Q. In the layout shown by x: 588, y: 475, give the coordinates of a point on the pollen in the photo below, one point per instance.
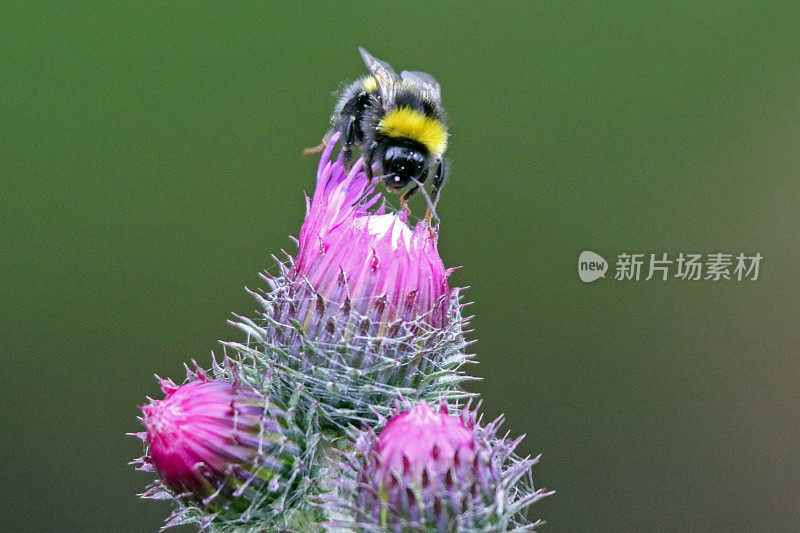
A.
x: 406, y: 122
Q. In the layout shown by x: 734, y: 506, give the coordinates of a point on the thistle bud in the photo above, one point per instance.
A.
x: 432, y: 471
x: 363, y: 315
x: 222, y: 451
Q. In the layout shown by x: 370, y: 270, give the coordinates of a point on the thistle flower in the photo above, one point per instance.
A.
x: 371, y: 258
x: 363, y: 315
x: 224, y: 452
x: 433, y: 471
x: 361, y: 319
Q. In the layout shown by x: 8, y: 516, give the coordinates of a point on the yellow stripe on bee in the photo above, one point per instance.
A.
x: 406, y: 122
x: 370, y: 84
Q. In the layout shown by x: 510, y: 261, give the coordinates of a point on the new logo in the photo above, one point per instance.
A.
x: 591, y: 266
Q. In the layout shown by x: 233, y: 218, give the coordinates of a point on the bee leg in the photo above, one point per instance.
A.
x: 368, y: 153
x: 314, y: 149
x: 407, y: 195
x: 321, y: 146
x: 438, y: 182
x: 431, y: 213
x: 368, y: 170
x: 349, y: 133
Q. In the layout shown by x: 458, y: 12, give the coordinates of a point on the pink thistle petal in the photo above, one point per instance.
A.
x: 436, y: 470
x: 205, y: 433
x: 421, y: 439
x: 378, y: 252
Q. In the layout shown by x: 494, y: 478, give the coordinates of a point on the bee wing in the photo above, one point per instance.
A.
x: 384, y: 75
x: 425, y: 83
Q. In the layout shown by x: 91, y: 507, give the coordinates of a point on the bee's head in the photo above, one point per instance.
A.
x: 400, y: 164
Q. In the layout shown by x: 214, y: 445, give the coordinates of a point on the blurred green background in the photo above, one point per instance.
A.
x: 150, y: 164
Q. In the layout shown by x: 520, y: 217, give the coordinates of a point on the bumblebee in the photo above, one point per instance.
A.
x: 398, y: 122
